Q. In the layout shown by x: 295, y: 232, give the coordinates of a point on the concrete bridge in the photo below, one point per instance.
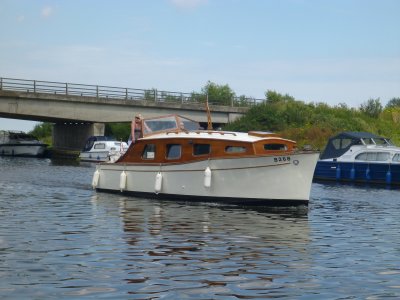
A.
x: 79, y: 111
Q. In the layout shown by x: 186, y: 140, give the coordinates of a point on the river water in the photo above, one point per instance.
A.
x: 59, y: 239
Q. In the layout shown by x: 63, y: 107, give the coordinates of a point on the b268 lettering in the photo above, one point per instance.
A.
x: 282, y: 159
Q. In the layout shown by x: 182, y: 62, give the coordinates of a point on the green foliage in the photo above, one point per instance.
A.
x: 119, y: 131
x: 273, y: 97
x: 218, y: 94
x: 394, y: 102
x: 171, y: 98
x: 372, y: 107
x: 198, y: 98
x: 43, y: 132
x: 314, y: 123
x: 243, y: 101
x: 150, y: 95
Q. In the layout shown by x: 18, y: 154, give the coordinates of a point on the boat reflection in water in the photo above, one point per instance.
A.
x: 178, y: 248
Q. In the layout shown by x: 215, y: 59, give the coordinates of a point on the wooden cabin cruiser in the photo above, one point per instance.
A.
x: 359, y: 157
x: 102, y: 149
x: 175, y: 159
x: 19, y: 143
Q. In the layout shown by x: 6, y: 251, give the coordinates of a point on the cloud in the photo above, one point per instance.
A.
x: 20, y: 18
x: 47, y: 11
x: 188, y: 4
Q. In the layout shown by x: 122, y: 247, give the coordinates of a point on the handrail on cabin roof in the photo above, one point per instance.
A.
x: 202, y: 131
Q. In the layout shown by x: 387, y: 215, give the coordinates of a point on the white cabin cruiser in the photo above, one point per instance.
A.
x: 102, y: 149
x: 176, y: 160
x: 19, y: 143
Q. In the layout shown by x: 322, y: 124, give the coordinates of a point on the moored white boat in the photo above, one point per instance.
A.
x: 102, y: 149
x: 19, y: 143
x: 359, y: 157
x: 176, y: 160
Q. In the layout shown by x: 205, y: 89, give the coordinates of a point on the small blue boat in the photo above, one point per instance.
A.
x: 359, y: 157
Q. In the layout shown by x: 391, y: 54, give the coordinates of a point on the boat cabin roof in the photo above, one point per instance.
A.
x: 97, y: 138
x: 16, y: 135
x: 212, y: 135
x: 341, y: 143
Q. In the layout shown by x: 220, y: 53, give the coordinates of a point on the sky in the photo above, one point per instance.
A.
x: 342, y: 51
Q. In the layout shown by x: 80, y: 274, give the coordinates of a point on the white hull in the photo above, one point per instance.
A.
x: 102, y: 150
x: 94, y: 156
x: 246, y: 179
x: 22, y: 149
x: 101, y: 156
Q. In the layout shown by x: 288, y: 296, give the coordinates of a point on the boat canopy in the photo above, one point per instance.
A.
x: 341, y: 143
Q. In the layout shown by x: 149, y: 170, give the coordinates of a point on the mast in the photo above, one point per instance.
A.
x: 209, y: 122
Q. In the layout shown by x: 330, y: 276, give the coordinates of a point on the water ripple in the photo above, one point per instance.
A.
x: 60, y: 239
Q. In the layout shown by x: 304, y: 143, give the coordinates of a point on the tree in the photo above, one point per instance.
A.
x: 218, y: 94
x: 43, y: 132
x: 394, y: 102
x: 119, y: 131
x: 372, y: 107
x: 274, y: 97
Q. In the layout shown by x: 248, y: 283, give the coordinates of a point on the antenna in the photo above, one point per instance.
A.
x: 209, y: 122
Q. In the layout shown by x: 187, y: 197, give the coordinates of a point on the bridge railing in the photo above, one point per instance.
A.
x: 99, y: 91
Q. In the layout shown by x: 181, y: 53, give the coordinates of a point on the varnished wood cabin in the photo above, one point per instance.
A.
x: 175, y: 139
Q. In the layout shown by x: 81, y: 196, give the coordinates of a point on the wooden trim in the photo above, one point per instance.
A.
x: 134, y: 152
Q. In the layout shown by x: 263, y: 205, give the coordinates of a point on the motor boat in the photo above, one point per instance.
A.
x: 359, y: 157
x: 19, y: 143
x: 175, y: 159
x: 102, y: 149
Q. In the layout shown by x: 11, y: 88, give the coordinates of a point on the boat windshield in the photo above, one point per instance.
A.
x: 169, y: 123
x: 382, y: 142
x: 377, y: 141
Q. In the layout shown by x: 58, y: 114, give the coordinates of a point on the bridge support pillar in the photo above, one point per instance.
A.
x: 72, y: 136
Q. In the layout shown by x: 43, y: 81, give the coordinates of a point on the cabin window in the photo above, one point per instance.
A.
x: 174, y: 151
x: 149, y: 151
x: 160, y: 124
x: 119, y: 146
x: 201, y: 149
x: 368, y: 141
x: 373, y: 156
x: 362, y: 156
x: 382, y: 156
x: 341, y: 143
x: 275, y: 147
x: 235, y: 149
x: 100, y: 146
x: 190, y: 125
x: 396, y: 157
x: 379, y: 141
